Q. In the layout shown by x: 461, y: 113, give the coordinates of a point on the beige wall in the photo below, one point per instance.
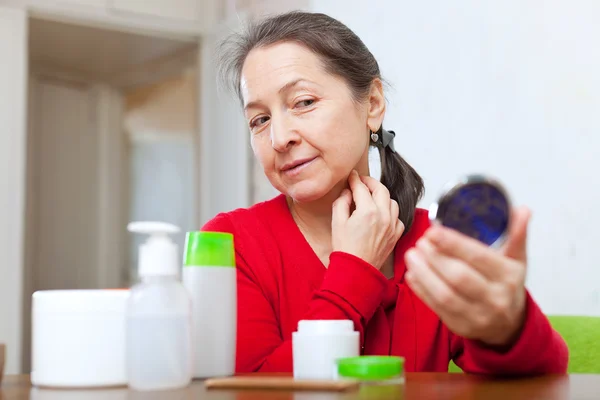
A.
x: 167, y: 107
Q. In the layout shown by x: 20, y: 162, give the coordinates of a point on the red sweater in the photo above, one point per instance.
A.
x: 281, y: 281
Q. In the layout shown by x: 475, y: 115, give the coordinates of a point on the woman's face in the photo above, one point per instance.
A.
x: 307, y: 131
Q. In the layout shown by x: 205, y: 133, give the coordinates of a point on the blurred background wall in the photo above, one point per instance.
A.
x: 110, y: 111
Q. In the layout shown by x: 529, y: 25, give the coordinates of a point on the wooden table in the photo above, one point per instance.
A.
x: 422, y: 386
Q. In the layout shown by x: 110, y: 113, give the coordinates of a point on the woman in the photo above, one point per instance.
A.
x: 338, y: 244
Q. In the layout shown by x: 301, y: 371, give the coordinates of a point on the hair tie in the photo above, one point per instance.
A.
x: 387, y: 138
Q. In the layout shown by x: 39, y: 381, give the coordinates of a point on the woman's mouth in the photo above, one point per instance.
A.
x: 296, y: 167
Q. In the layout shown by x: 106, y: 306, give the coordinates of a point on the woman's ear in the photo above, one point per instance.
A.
x: 376, y: 105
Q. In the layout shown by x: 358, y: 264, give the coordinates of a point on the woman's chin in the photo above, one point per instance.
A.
x: 306, y: 192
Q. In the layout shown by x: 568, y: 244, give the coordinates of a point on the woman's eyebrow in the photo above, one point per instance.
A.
x: 292, y: 84
x: 252, y: 104
x: 283, y: 89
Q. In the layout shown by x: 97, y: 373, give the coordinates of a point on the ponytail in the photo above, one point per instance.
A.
x: 403, y: 182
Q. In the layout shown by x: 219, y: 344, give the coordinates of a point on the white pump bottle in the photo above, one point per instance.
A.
x: 159, y: 324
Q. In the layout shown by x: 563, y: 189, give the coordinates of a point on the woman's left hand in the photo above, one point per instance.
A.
x: 478, y: 292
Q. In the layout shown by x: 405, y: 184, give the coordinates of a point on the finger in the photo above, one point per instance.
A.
x: 464, y: 280
x: 341, y: 208
x: 399, y: 228
x: 516, y: 242
x: 484, y: 259
x: 394, y: 213
x: 394, y: 210
x: 360, y: 192
x: 440, y: 297
x: 370, y: 182
x: 397, y: 225
x: 380, y: 193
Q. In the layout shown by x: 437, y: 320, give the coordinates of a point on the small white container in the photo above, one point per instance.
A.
x: 78, y: 338
x: 319, y: 343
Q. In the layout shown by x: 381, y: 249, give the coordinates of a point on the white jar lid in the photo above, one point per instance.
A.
x: 325, y: 326
x: 113, y: 301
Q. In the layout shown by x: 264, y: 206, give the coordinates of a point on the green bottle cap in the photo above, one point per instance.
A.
x: 209, y: 249
x: 371, y: 368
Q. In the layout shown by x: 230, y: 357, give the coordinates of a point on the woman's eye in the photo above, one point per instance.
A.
x: 257, y: 122
x: 305, y: 103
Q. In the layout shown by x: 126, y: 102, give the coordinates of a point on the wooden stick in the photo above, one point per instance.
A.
x: 279, y: 383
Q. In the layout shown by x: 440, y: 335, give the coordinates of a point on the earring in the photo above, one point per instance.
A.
x: 374, y: 137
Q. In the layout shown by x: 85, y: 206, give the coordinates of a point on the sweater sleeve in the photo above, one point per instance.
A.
x: 538, y: 350
x: 351, y: 289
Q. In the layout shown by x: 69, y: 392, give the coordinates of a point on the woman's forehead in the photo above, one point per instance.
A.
x: 268, y: 70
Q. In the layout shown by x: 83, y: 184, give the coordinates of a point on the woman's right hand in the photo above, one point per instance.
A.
x: 371, y: 231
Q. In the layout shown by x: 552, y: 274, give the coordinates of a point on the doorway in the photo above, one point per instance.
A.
x: 112, y: 138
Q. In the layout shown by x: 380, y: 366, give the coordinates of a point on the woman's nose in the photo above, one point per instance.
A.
x: 283, y: 136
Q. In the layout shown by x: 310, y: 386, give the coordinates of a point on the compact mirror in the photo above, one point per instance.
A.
x: 477, y: 206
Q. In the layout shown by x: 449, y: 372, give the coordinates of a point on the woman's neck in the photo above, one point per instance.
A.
x: 314, y: 218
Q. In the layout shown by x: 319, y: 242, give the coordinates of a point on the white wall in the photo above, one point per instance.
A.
x: 223, y: 144
x: 161, y: 179
x: 13, y: 90
x: 509, y: 88
x: 161, y: 122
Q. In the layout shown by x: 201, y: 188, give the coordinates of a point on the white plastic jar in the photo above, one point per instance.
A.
x: 78, y: 338
x: 318, y: 344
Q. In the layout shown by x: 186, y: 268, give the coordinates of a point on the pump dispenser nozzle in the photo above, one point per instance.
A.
x: 159, y: 254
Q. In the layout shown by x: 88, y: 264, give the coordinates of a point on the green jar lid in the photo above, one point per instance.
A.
x: 209, y: 249
x: 371, y: 367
